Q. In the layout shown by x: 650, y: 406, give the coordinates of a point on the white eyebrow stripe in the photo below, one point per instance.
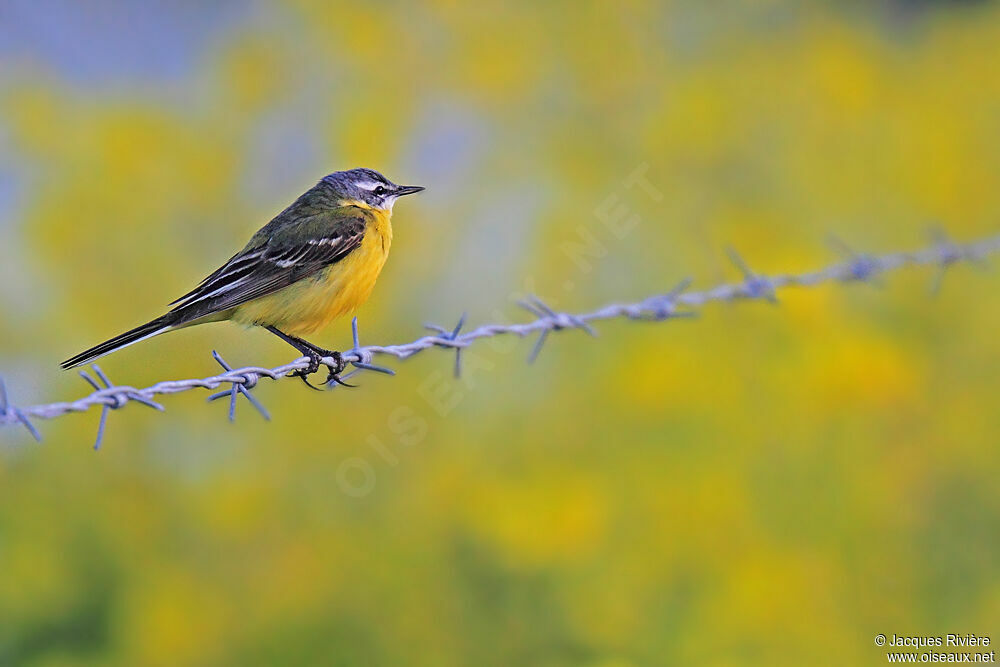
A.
x: 367, y: 185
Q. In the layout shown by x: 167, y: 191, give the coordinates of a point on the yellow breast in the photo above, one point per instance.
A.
x: 340, y: 289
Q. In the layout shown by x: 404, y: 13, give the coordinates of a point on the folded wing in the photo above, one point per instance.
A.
x: 279, y: 261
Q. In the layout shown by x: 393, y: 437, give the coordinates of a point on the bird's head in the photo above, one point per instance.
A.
x: 368, y: 187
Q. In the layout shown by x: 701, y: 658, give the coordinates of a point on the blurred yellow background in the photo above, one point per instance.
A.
x: 758, y: 486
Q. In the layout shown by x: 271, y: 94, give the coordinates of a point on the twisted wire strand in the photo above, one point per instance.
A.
x: 855, y: 267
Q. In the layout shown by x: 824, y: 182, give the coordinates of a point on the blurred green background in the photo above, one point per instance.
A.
x: 758, y: 486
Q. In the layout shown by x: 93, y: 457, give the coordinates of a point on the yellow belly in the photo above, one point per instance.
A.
x: 340, y: 289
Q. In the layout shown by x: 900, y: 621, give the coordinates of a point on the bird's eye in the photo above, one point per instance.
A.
x: 380, y: 190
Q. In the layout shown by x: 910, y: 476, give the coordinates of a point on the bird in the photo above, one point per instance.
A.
x: 312, y: 263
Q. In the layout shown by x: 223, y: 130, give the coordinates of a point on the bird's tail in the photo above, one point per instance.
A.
x: 147, y: 330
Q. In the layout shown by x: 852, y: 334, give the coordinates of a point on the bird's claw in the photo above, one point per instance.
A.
x: 336, y: 370
x: 304, y: 373
x: 315, y: 357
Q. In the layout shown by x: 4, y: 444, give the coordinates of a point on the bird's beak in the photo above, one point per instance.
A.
x: 408, y: 190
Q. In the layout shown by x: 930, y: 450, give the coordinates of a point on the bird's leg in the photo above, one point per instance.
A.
x: 315, y: 353
x: 304, y: 350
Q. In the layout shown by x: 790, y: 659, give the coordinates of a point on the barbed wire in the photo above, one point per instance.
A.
x: 678, y: 302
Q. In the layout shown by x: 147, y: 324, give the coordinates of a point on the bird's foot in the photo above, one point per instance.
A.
x: 315, y: 361
x: 304, y: 373
x: 336, y: 369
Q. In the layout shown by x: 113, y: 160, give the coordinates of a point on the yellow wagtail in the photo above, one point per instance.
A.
x: 315, y: 261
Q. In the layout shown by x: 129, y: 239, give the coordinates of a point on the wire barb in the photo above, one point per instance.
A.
x: 757, y: 286
x: 862, y: 267
x: 11, y: 412
x: 359, y: 357
x: 448, y: 339
x: 242, y: 383
x: 949, y: 254
x: 556, y: 322
x: 677, y: 303
x: 117, y: 398
x: 662, y: 306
